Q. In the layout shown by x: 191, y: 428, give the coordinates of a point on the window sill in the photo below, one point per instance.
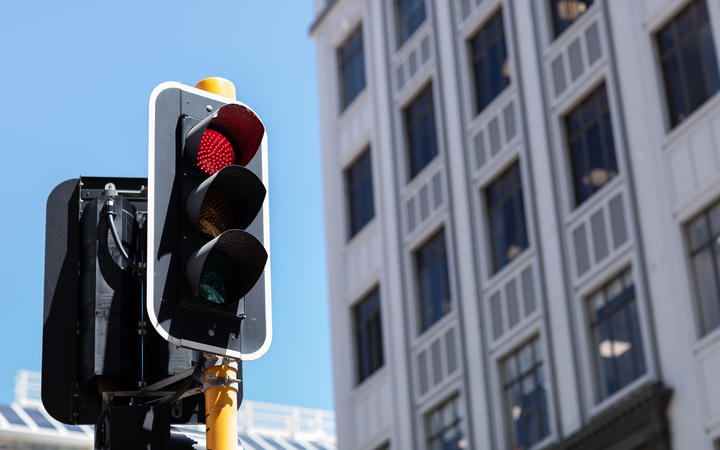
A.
x: 344, y: 116
x: 557, y: 44
x: 509, y: 270
x: 695, y: 120
x: 492, y: 109
x: 545, y: 443
x: 707, y: 344
x: 370, y: 383
x: 618, y: 396
x: 436, y: 329
x: 403, y: 49
x: 362, y: 235
x: 598, y: 197
x: 425, y: 174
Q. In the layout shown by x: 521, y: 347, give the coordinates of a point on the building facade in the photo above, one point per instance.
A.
x: 522, y: 204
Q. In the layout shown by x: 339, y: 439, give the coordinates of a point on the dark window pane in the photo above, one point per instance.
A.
x: 637, y: 339
x: 616, y: 329
x: 703, y: 234
x: 707, y: 55
x: 410, y: 14
x: 707, y: 288
x: 603, y: 341
x: 490, y: 62
x: 592, y: 149
x: 699, y: 232
x: 622, y: 348
x: 352, y: 68
x: 565, y: 12
x: 689, y: 61
x: 368, y: 335
x: 506, y: 213
x: 361, y: 206
x: 432, y: 275
x: 420, y: 129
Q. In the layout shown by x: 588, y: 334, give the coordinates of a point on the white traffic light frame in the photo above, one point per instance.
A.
x: 182, y: 98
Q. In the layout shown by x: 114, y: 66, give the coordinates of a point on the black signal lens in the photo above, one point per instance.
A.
x: 216, y: 214
x: 219, y: 283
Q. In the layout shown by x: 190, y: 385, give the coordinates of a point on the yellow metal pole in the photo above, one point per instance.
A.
x: 221, y: 430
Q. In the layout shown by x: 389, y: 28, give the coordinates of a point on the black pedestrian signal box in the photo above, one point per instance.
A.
x: 208, y: 268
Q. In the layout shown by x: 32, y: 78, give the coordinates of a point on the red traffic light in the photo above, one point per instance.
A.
x: 230, y: 136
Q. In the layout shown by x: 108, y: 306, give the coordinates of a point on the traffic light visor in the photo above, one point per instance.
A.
x: 230, y: 136
x: 231, y: 198
x: 223, y: 270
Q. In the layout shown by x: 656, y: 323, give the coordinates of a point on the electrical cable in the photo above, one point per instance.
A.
x: 100, y: 429
x: 118, y: 242
x: 184, y: 388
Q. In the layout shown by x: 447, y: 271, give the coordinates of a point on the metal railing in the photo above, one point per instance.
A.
x: 289, y: 421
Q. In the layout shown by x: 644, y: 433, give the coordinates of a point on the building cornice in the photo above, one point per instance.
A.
x: 320, y: 19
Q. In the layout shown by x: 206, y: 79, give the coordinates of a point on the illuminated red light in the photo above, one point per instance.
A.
x: 215, y: 152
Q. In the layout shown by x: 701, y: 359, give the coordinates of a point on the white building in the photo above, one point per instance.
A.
x: 25, y: 425
x: 523, y: 217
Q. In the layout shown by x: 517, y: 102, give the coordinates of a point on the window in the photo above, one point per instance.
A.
x: 368, y: 335
x: 352, y: 68
x: 432, y: 277
x: 358, y: 179
x: 443, y: 427
x: 507, y: 217
x: 490, y: 62
x: 410, y: 14
x: 565, y: 12
x: 525, y: 393
x: 591, y: 145
x: 704, y: 243
x: 689, y: 62
x: 420, y: 130
x: 615, y: 328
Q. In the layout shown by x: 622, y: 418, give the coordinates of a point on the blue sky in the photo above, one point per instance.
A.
x: 75, y: 82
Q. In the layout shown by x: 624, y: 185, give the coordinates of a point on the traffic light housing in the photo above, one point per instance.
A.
x: 95, y: 336
x: 208, y: 236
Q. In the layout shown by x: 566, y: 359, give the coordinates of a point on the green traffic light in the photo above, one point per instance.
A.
x: 218, y: 281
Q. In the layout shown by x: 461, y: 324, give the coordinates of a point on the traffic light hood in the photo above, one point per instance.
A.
x: 241, y: 128
x: 231, y: 198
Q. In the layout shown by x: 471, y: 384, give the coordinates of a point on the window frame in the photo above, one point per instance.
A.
x: 709, y: 244
x: 553, y: 16
x: 672, y: 112
x: 445, y: 307
x: 376, y: 356
x: 542, y: 408
x: 517, y: 196
x: 602, y: 119
x: 402, y: 35
x: 343, y: 63
x: 415, y: 162
x: 628, y: 301
x: 455, y: 424
x: 353, y: 227
x: 474, y: 56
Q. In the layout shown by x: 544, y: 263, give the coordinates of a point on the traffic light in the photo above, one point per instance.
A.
x: 208, y: 283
